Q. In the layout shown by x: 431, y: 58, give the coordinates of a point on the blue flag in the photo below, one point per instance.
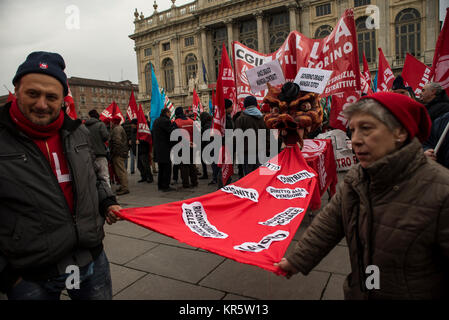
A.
x: 204, y: 72
x: 211, y: 107
x: 157, y: 104
x: 375, y: 83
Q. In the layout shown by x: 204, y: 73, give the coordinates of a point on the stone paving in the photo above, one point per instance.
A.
x: 146, y: 265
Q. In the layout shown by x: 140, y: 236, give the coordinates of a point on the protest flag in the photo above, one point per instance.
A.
x: 131, y: 111
x: 440, y: 65
x: 70, y: 104
x: 385, y: 74
x: 156, y: 100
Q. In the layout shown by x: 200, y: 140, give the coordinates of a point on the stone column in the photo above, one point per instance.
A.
x: 157, y: 62
x: 384, y: 38
x: 292, y: 7
x: 177, y: 65
x: 260, y: 31
x: 202, y: 57
x: 140, y: 73
x: 230, y: 28
x: 305, y: 19
x: 431, y: 30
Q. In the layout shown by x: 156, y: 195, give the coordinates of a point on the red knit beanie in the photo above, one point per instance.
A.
x: 116, y: 119
x: 410, y: 113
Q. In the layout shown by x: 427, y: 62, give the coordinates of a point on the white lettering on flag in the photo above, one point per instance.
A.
x: 283, y: 218
x: 61, y: 177
x: 296, y: 177
x: 287, y: 194
x: 244, y: 193
x: 271, y: 166
x: 195, y: 218
x: 264, y: 243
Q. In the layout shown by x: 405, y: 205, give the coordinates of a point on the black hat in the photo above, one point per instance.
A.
x: 398, y: 83
x: 289, y: 92
x: 48, y: 63
x: 228, y: 103
x: 250, y: 101
x: 94, y: 114
x: 179, y: 111
x: 134, y: 121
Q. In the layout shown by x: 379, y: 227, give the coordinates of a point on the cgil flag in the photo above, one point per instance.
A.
x: 143, y: 132
x: 197, y: 106
x: 157, y: 104
x: 385, y: 74
x: 131, y: 111
x: 440, y: 65
x: 415, y: 74
x: 168, y: 104
x: 69, y: 103
x: 112, y: 110
x: 251, y: 221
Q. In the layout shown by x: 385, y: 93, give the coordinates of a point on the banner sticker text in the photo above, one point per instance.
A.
x: 296, y: 177
x: 195, y: 218
x: 287, y: 193
x: 243, y: 193
x: 264, y: 243
x: 283, y: 218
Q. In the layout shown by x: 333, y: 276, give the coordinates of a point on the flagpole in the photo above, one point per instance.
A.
x: 6, y: 88
x: 443, y: 136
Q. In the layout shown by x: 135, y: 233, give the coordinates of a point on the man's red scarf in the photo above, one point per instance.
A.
x: 49, y: 141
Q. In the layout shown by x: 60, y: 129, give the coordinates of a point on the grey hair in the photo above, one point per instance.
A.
x: 437, y: 87
x: 375, y: 109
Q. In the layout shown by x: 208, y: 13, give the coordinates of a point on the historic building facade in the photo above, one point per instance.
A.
x: 183, y: 44
x: 91, y: 94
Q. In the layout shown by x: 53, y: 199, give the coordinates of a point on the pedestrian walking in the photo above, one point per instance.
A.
x: 119, y: 153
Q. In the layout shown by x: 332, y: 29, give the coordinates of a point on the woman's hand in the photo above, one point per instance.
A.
x: 287, y: 267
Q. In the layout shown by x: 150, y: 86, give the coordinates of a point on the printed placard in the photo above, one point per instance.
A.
x: 271, y: 166
x: 244, y: 193
x: 258, y: 77
x: 296, y: 177
x: 263, y: 244
x: 287, y: 194
x: 283, y: 218
x: 312, y: 80
x: 195, y: 218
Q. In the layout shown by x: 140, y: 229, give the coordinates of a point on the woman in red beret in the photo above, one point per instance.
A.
x: 392, y: 208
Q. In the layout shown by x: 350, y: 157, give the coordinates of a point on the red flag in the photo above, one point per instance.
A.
x: 415, y: 73
x: 70, y: 104
x: 440, y: 65
x: 385, y: 76
x: 131, y: 111
x: 251, y: 221
x: 143, y: 132
x: 196, y: 105
x: 11, y: 97
x: 339, y: 101
x: 110, y: 112
x: 366, y: 73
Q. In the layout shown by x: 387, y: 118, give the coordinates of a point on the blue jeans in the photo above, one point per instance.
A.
x: 95, y: 284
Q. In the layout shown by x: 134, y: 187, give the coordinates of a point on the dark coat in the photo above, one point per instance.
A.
x: 99, y: 135
x: 39, y: 236
x: 437, y: 130
x: 162, y: 128
x: 438, y: 106
x: 394, y: 215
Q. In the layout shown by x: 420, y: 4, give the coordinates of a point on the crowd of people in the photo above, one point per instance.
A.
x: 392, y: 208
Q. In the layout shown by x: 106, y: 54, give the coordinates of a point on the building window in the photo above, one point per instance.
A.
x: 148, y: 78
x: 169, y: 75
x: 166, y: 46
x: 278, y: 29
x: 323, y: 9
x: 102, y: 100
x: 94, y: 100
x: 219, y: 36
x: 101, y: 90
x: 93, y: 90
x: 189, y: 41
x: 191, y: 66
x: 359, y: 3
x: 408, y: 33
x: 366, y: 39
x: 323, y: 31
x: 83, y: 100
x: 81, y: 89
x: 148, y: 52
x: 248, y: 34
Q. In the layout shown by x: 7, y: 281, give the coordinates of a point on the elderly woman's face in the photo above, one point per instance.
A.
x: 371, y: 139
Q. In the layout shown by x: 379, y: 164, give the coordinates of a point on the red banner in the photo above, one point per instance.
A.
x: 251, y: 221
x: 415, y: 74
x: 131, y: 111
x: 196, y: 105
x: 440, y: 65
x: 143, y: 132
x: 339, y: 103
x: 385, y: 76
x: 11, y: 97
x: 110, y: 112
x: 365, y: 78
x: 337, y: 52
x: 70, y: 105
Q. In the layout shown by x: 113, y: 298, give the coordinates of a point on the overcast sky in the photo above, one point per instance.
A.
x: 99, y: 49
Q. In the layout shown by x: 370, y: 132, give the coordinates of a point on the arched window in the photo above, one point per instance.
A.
x: 169, y: 75
x: 248, y: 33
x: 366, y: 40
x: 408, y: 33
x: 323, y: 31
x: 148, y: 78
x: 191, y: 66
x: 219, y: 36
x: 278, y: 29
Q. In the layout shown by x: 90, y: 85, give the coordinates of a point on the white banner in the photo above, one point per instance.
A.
x: 258, y: 77
x: 312, y: 80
